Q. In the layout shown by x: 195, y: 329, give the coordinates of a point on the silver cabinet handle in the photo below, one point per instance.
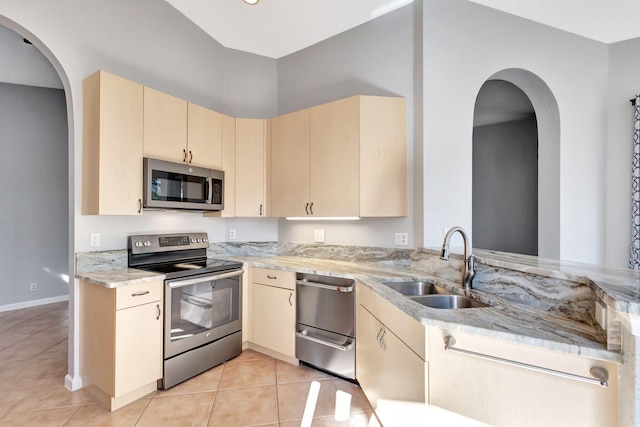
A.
x: 290, y: 296
x: 139, y: 294
x: 348, y: 345
x: 601, y: 375
x: 159, y: 311
x: 323, y: 286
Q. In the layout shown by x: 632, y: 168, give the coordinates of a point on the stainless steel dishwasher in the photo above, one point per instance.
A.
x: 325, y: 323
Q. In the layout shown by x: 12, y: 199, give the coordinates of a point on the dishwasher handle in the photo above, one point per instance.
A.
x: 346, y: 347
x: 344, y: 289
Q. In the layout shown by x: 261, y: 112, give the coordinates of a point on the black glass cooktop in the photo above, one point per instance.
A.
x: 193, y: 267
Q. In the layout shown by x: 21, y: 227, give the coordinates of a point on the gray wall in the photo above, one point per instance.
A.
x: 34, y: 209
x: 505, y: 187
x: 376, y: 58
x: 624, y: 84
x: 464, y: 45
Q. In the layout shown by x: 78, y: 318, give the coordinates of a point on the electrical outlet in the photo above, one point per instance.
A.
x: 318, y: 236
x: 402, y: 239
x: 95, y: 239
x: 232, y: 234
x: 33, y: 287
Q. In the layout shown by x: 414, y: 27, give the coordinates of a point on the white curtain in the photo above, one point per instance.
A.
x: 634, y: 259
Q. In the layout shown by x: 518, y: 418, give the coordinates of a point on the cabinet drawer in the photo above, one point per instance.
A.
x: 142, y: 293
x: 277, y: 278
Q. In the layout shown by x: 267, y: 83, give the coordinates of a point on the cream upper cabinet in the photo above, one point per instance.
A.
x: 250, y: 173
x: 290, y: 165
x: 165, y: 126
x: 334, y: 158
x: 112, y: 147
x: 229, y: 164
x: 204, y: 137
x: 352, y: 161
x: 273, y: 311
x: 496, y: 393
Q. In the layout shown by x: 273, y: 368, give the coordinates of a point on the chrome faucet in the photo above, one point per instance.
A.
x: 469, y: 264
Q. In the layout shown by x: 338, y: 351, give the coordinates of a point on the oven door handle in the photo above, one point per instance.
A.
x: 345, y: 347
x: 181, y: 283
x: 324, y: 286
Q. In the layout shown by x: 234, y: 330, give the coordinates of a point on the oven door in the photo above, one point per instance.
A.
x: 201, y: 310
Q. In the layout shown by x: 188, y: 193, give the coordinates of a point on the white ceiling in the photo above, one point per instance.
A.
x: 276, y: 28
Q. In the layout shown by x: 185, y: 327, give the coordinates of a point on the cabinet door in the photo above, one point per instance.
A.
x: 274, y: 318
x: 112, y: 145
x: 204, y: 137
x: 334, y: 154
x: 290, y: 165
x: 165, y: 126
x: 383, y: 156
x: 138, y: 352
x: 498, y: 394
x: 229, y: 164
x: 250, y: 168
x: 386, y: 368
x: 369, y: 356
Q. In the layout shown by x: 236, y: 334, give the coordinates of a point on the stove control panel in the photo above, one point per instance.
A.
x: 152, y: 243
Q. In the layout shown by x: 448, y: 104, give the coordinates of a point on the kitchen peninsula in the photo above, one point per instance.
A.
x: 540, y: 331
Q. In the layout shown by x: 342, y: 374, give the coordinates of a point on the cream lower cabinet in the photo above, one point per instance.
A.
x: 273, y: 312
x: 392, y: 375
x: 505, y: 395
x: 121, y: 330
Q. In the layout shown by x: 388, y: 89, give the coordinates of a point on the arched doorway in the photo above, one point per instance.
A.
x: 535, y: 107
x: 64, y: 245
x: 505, y: 170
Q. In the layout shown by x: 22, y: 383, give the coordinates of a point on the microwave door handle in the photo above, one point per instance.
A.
x: 209, y: 190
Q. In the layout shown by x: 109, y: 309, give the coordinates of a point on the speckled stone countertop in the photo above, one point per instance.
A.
x: 118, y: 278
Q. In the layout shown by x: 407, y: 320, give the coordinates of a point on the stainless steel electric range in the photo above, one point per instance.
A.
x: 202, y: 302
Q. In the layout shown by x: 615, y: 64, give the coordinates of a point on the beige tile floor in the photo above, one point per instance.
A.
x: 250, y: 390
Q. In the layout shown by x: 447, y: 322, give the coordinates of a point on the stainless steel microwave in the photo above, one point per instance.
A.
x: 178, y: 186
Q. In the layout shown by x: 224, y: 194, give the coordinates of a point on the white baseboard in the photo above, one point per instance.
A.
x: 73, y: 383
x: 33, y: 303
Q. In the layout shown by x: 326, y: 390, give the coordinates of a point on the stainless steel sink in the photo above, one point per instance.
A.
x: 416, y: 288
x: 449, y: 301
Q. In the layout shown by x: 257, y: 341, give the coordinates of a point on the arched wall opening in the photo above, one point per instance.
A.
x: 72, y: 380
x: 548, y: 124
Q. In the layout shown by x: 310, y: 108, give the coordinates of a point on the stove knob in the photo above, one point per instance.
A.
x: 138, y: 244
x: 193, y: 240
x: 204, y: 240
x: 198, y: 240
x: 147, y: 243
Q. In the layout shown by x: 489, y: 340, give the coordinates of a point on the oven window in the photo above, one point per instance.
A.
x: 177, y: 187
x: 201, y: 307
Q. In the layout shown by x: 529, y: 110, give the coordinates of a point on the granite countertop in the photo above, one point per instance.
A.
x: 119, y: 278
x: 503, y: 320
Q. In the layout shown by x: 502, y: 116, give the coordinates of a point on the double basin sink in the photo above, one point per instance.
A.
x: 433, y: 296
